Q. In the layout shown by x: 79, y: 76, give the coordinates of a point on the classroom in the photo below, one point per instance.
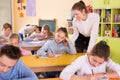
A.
x: 60, y: 40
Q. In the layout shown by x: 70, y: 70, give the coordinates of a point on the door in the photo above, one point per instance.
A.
x: 99, y: 4
x: 5, y: 13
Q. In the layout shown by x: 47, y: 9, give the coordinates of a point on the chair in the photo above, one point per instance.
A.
x: 52, y: 23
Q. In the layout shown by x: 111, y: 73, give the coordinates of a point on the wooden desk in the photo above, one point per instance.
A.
x: 30, y: 48
x: 49, y: 64
x: 60, y: 79
x: 32, y: 45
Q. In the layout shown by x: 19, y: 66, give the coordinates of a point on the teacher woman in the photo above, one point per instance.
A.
x: 85, y: 26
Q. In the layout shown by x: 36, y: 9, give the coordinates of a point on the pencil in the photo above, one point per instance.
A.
x: 51, y: 50
x: 92, y: 72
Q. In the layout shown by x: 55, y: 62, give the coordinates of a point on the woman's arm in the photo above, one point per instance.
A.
x: 75, y: 32
x: 94, y: 33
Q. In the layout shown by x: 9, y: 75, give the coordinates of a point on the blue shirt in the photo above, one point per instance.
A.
x: 19, y: 72
x: 52, y: 47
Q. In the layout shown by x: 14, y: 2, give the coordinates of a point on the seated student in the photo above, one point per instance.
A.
x: 27, y: 30
x: 36, y: 32
x: 92, y: 66
x: 60, y: 44
x: 11, y: 67
x: 44, y: 35
x: 15, y: 40
x: 7, y: 30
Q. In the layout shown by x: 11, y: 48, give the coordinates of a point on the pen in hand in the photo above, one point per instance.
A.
x: 37, y: 56
x: 92, y: 72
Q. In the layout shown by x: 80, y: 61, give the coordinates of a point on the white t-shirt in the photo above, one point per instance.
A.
x: 27, y: 30
x: 83, y: 67
x: 89, y: 28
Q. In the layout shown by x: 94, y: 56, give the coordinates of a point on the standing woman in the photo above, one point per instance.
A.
x: 85, y: 26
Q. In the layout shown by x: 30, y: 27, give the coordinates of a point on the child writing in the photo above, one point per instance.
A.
x: 7, y: 29
x: 60, y: 44
x: 11, y: 67
x: 92, y: 66
x: 15, y: 40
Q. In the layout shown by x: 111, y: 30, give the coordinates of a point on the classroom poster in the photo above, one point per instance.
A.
x: 31, y: 8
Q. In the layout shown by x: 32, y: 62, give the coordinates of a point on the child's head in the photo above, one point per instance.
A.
x: 99, y: 54
x: 7, y: 28
x: 45, y: 30
x: 37, y: 29
x: 9, y: 56
x: 79, y: 10
x: 14, y: 39
x: 61, y: 34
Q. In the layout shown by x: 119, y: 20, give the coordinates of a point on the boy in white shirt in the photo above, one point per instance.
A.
x: 92, y: 66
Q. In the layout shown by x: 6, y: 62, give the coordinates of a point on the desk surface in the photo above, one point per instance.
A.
x: 49, y: 64
x: 60, y: 79
x: 32, y: 45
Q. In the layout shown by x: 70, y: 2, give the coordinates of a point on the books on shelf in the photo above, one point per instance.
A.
x: 116, y: 17
x: 107, y: 30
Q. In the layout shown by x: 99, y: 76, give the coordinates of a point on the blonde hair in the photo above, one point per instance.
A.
x: 14, y: 36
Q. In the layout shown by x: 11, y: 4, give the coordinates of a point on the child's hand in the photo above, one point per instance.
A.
x: 66, y: 41
x: 50, y: 55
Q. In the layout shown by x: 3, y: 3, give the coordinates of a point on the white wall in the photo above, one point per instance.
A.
x: 47, y: 9
x: 5, y: 13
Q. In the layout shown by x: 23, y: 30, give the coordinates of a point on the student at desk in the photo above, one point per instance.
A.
x: 15, y: 40
x: 11, y: 67
x: 59, y: 45
x: 92, y: 66
x: 7, y: 30
x: 45, y: 34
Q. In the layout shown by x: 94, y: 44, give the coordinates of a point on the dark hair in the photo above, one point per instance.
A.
x: 10, y: 51
x: 7, y: 25
x: 80, y: 6
x: 14, y: 35
x: 39, y: 27
x: 101, y: 50
x: 63, y: 29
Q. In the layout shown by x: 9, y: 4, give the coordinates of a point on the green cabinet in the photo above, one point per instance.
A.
x: 109, y: 11
x: 113, y: 4
x: 103, y: 4
x: 98, y: 4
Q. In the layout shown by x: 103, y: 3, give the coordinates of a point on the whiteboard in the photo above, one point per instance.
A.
x: 5, y: 13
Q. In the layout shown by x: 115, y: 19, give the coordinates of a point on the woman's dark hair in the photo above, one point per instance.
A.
x: 80, y: 6
x: 63, y: 29
x: 101, y: 50
x: 10, y: 51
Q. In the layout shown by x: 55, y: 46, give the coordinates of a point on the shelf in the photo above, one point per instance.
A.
x: 105, y: 22
x: 116, y: 23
